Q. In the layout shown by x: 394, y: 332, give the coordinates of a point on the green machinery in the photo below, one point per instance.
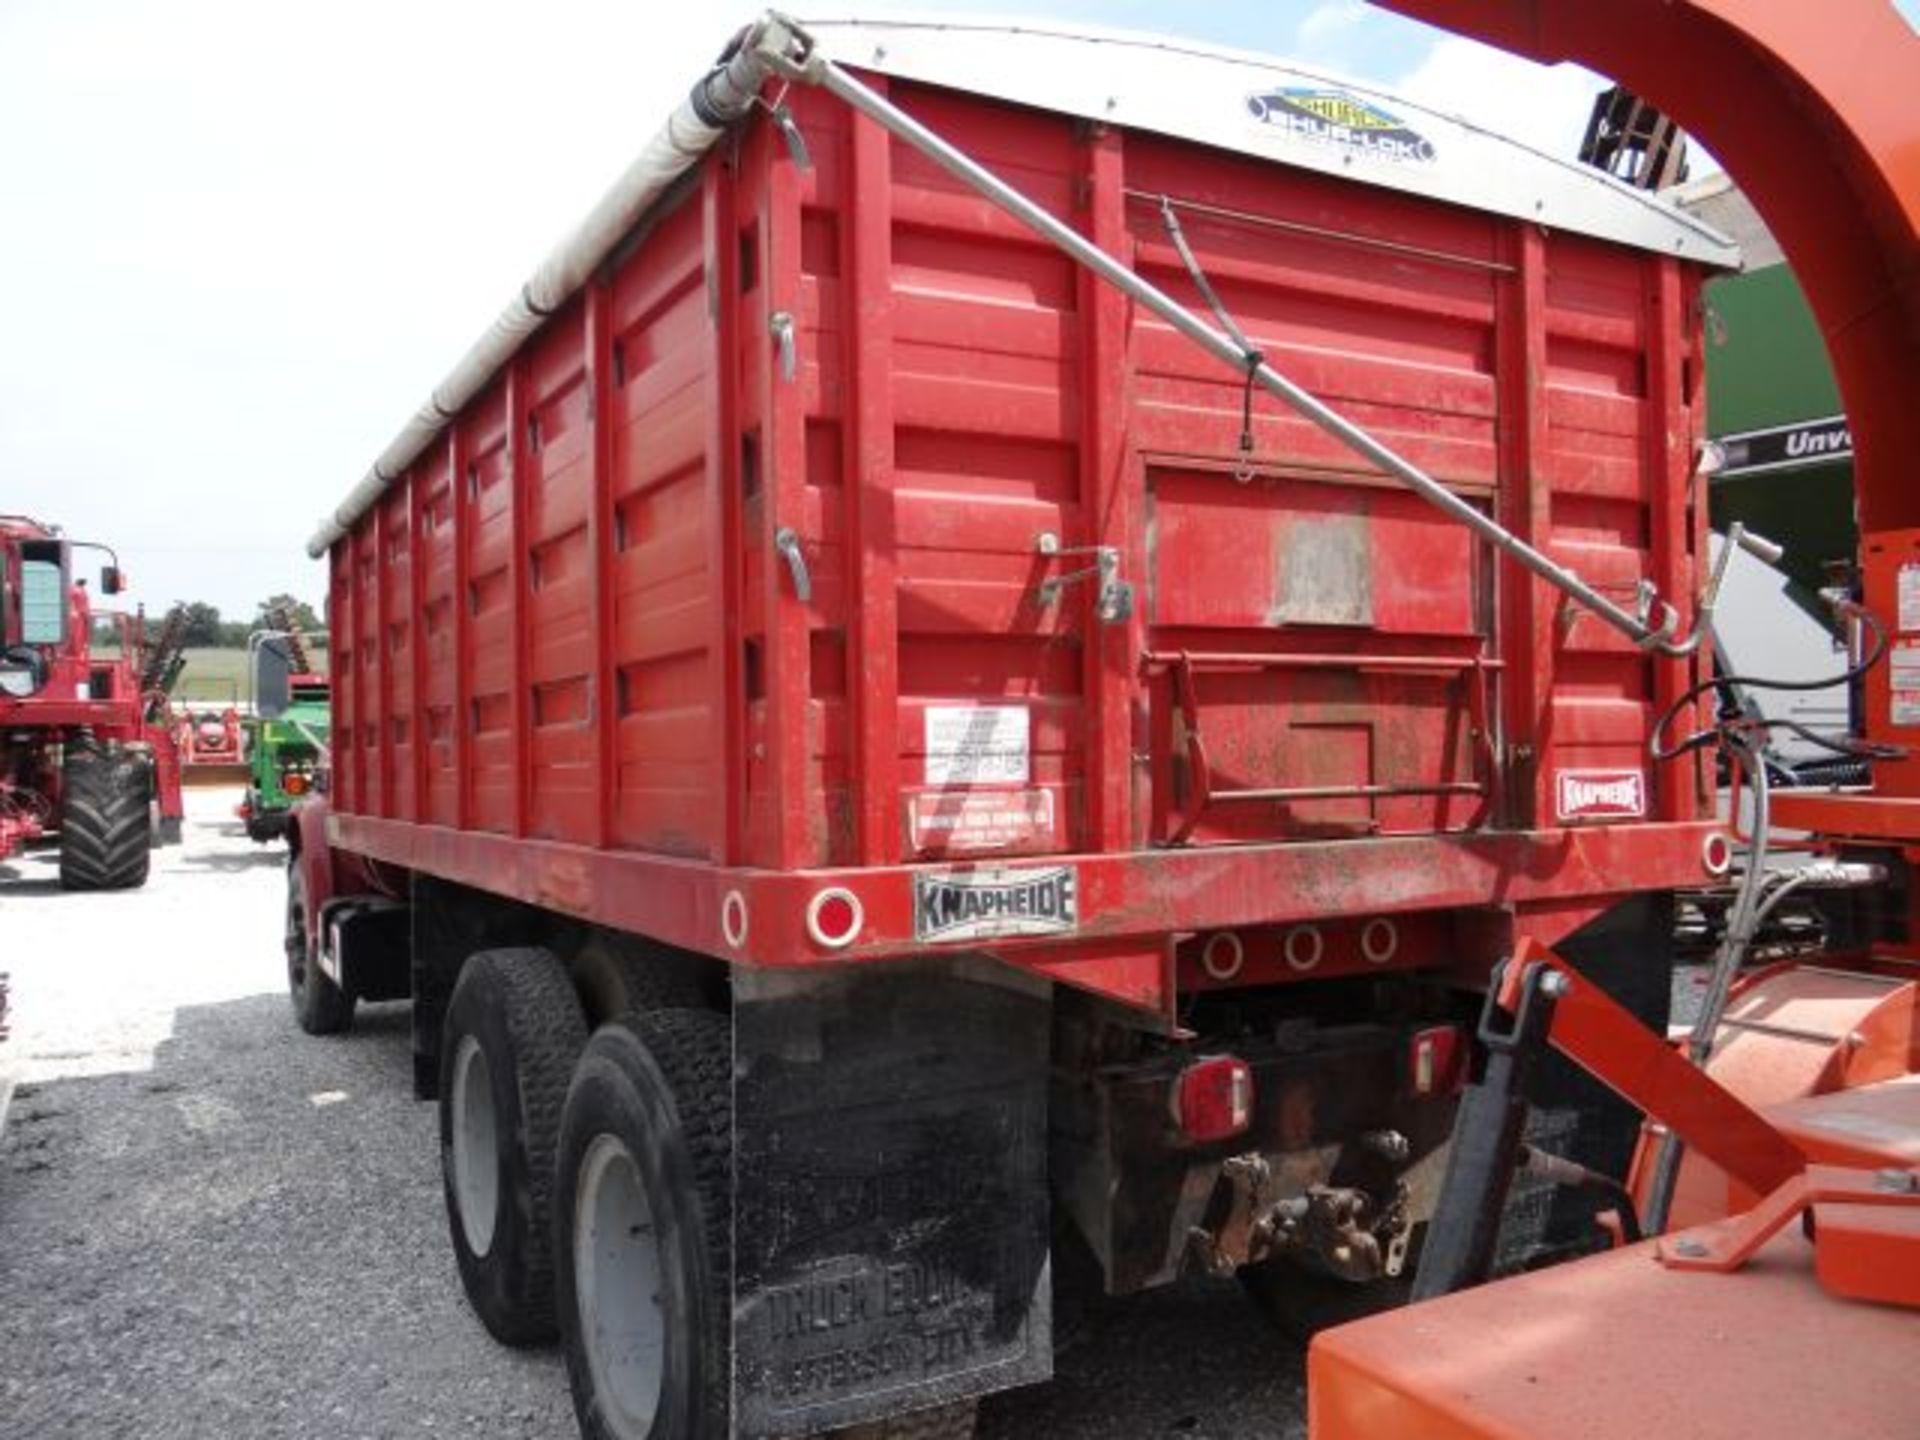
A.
x: 289, y: 728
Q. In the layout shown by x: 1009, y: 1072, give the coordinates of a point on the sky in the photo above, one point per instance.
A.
x: 240, y: 242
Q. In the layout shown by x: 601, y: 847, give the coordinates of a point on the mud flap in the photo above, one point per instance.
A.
x: 890, y: 1210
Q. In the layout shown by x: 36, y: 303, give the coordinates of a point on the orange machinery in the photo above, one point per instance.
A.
x: 1786, y: 1299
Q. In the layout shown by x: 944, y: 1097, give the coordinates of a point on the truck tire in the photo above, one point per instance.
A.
x: 103, y: 820
x: 616, y: 974
x: 643, y: 1228
x: 512, y: 1031
x: 319, y: 1006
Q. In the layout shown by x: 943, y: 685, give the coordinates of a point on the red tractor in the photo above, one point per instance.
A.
x: 86, y: 745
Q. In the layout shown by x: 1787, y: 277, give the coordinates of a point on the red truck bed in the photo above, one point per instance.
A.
x: 576, y: 665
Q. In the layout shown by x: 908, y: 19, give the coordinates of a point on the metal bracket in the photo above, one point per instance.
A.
x: 1856, y: 1256
x: 787, y: 542
x: 780, y: 325
x: 1113, y: 602
x: 789, y: 131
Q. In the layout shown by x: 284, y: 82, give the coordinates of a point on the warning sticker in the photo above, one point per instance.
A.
x: 1905, y: 675
x: 1909, y: 597
x: 977, y: 744
x: 969, y: 821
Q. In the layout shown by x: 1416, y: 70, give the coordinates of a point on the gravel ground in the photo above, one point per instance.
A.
x: 213, y: 1225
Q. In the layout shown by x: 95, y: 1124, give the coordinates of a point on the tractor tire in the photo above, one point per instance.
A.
x: 103, y: 820
x: 319, y: 1006
x: 513, y: 1030
x: 643, y: 1228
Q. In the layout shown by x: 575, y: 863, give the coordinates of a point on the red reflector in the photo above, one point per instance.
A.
x: 294, y: 784
x: 1436, y: 1059
x: 1213, y: 1098
x: 835, y: 916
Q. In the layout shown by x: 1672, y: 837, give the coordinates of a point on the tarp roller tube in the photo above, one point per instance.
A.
x: 723, y: 96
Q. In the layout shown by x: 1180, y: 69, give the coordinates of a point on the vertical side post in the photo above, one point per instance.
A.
x: 601, y: 687
x: 1526, y: 615
x: 789, y: 736
x: 1669, y: 462
x: 517, y: 588
x: 383, y: 656
x: 725, y: 688
x: 339, y: 617
x: 417, y: 486
x: 874, y: 633
x: 462, y: 625
x: 1112, y: 651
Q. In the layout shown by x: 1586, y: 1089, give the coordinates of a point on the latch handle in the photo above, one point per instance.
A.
x: 781, y: 324
x: 788, y: 544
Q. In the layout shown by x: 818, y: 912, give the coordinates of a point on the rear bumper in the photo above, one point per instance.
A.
x: 1125, y: 909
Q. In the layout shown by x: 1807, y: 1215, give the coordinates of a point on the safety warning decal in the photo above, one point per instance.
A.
x: 977, y: 744
x: 1909, y: 598
x: 1905, y: 675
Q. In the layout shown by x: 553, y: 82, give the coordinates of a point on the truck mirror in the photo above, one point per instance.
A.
x: 112, y: 582
x: 272, y: 679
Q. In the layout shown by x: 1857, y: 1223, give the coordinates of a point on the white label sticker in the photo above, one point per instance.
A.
x: 1909, y: 588
x: 977, y: 744
x: 1905, y: 675
x: 975, y: 820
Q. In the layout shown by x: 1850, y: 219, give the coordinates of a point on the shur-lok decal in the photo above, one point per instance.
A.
x: 1333, y: 117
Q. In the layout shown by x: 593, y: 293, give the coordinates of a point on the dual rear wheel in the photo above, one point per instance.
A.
x: 589, y: 1194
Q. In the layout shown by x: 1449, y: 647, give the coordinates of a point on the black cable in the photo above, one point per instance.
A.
x: 1727, y: 687
x: 1254, y: 359
x: 1557, y: 1170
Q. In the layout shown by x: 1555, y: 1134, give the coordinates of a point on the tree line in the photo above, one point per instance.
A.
x: 205, y: 626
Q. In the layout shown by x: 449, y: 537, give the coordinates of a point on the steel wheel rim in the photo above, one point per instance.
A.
x: 618, y: 1279
x: 476, y: 1162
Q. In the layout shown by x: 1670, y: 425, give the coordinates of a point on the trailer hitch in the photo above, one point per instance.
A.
x: 787, y: 49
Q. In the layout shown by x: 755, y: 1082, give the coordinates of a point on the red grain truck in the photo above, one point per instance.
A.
x: 886, y: 770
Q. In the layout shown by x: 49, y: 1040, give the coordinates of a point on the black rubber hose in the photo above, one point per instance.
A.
x: 1727, y: 687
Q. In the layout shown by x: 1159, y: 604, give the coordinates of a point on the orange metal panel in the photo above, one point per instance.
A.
x: 1872, y: 1126
x: 1618, y: 1347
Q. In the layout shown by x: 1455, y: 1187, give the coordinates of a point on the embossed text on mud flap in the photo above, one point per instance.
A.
x: 890, y: 1200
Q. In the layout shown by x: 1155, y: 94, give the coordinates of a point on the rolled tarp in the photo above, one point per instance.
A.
x: 722, y: 96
